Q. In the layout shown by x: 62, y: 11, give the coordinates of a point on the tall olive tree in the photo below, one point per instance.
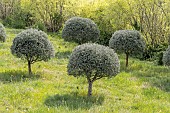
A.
x: 128, y: 42
x: 32, y: 45
x: 94, y: 62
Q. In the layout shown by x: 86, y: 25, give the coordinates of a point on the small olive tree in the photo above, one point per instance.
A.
x: 129, y: 42
x: 80, y: 30
x: 94, y: 62
x: 2, y: 33
x: 166, y: 57
x: 32, y: 45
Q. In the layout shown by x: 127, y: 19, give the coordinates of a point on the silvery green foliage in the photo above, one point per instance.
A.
x: 32, y: 45
x: 93, y: 60
x: 2, y: 33
x: 80, y: 30
x: 166, y: 57
x: 127, y: 41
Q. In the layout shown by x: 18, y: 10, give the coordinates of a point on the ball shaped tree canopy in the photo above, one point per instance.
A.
x: 32, y: 45
x: 2, y: 33
x: 80, y: 30
x: 128, y: 42
x: 166, y: 57
x: 93, y: 61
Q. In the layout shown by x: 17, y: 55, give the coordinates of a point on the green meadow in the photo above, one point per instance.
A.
x: 143, y: 87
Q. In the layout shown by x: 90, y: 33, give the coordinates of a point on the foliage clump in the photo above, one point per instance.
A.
x: 166, y: 57
x: 129, y: 42
x: 80, y: 30
x: 93, y: 61
x: 2, y: 33
x: 32, y: 45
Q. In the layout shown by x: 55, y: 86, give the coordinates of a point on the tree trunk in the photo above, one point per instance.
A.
x: 127, y: 57
x: 29, y: 68
x: 90, y: 88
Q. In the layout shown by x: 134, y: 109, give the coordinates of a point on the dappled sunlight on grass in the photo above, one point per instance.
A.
x: 143, y: 87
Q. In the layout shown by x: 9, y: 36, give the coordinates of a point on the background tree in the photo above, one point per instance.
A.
x: 7, y: 7
x: 32, y: 45
x: 128, y: 42
x: 16, y: 13
x: 94, y: 62
x: 51, y: 13
x: 150, y: 17
x: 80, y: 30
x: 99, y: 15
x: 2, y: 33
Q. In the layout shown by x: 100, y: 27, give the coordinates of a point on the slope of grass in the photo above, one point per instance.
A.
x: 142, y: 87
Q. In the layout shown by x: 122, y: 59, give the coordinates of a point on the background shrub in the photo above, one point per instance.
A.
x: 104, y: 38
x: 80, y: 30
x: 20, y: 19
x: 166, y: 57
x: 2, y: 33
x: 40, y: 26
x: 32, y: 45
x: 129, y: 42
x: 93, y: 61
x: 154, y: 53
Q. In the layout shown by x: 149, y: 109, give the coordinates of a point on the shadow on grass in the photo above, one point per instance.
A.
x: 157, y: 76
x: 16, y: 76
x: 63, y: 55
x: 73, y: 101
x: 163, y: 83
x: 160, y: 80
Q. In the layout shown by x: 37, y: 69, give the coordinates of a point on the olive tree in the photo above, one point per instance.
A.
x: 80, y: 30
x: 129, y: 42
x: 94, y: 62
x: 32, y: 45
x: 166, y: 57
x: 2, y: 33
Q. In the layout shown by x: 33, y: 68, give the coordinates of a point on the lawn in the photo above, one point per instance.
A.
x: 143, y: 87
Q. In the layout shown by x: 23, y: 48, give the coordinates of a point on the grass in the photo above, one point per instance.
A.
x: 141, y: 88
